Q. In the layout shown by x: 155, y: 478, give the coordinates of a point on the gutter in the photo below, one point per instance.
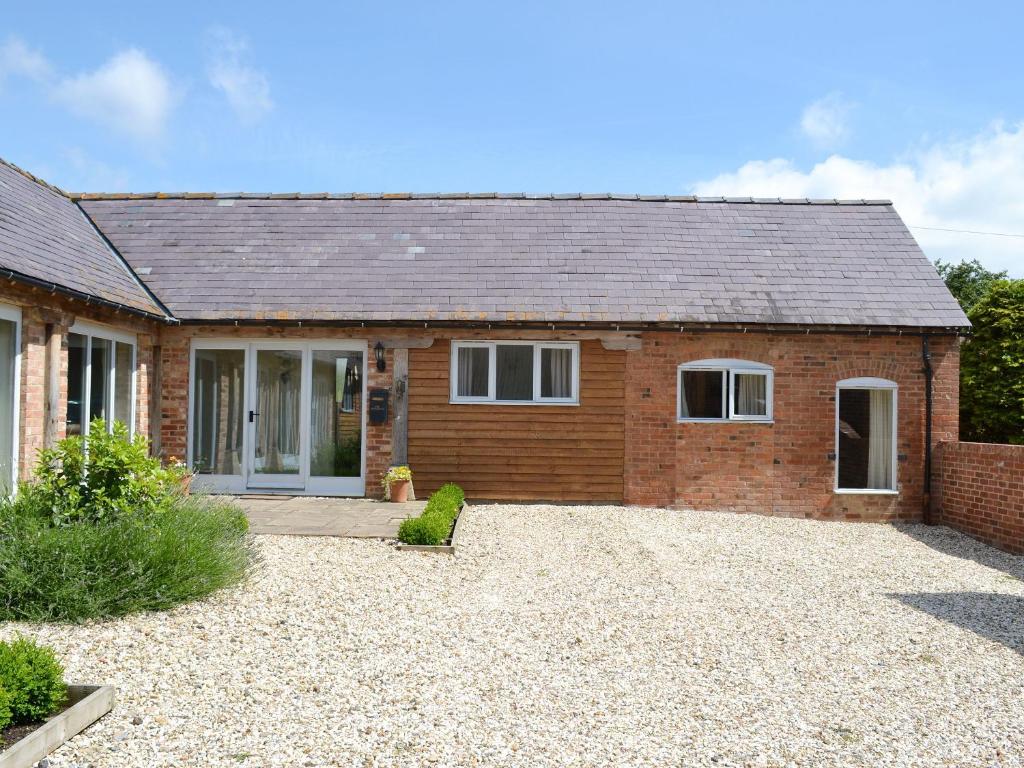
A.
x: 88, y: 298
x: 929, y: 375
x: 582, y: 325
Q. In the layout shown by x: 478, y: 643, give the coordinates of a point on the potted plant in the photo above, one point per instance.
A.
x: 181, y: 473
x: 396, y: 482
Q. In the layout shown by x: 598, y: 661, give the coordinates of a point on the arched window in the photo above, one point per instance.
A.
x: 724, y: 390
x: 866, y: 435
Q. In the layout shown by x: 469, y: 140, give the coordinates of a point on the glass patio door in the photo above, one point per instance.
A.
x: 278, y: 415
x: 276, y: 405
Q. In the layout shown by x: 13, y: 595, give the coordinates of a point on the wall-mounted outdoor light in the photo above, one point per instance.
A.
x: 378, y: 352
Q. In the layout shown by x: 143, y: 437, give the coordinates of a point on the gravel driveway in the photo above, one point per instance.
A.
x: 579, y: 636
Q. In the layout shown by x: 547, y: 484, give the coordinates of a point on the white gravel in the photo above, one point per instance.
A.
x: 578, y: 636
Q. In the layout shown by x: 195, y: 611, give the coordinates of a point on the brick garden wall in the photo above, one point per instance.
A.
x: 782, y: 468
x: 978, y: 488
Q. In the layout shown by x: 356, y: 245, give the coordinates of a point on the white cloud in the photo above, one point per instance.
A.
x: 246, y: 88
x: 965, y: 185
x: 130, y: 93
x: 826, y: 121
x: 16, y: 58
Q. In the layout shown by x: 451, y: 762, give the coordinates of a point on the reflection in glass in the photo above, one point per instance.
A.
x: 218, y: 417
x: 124, y: 365
x: 278, y: 405
x: 76, y: 383
x: 336, y: 414
x: 8, y: 356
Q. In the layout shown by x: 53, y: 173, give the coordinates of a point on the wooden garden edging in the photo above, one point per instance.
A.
x: 88, y: 704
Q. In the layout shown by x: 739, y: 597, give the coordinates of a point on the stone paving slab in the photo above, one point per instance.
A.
x: 326, y: 516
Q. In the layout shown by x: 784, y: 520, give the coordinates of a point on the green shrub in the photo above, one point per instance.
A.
x: 33, y: 679
x: 435, y: 523
x: 181, y: 550
x: 100, y: 478
x: 5, y: 710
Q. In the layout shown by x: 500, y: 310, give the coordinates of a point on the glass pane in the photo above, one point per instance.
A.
x: 76, y: 383
x: 336, y: 418
x: 751, y: 395
x: 218, y: 418
x: 8, y: 354
x: 700, y: 395
x: 556, y: 372
x: 865, y: 439
x: 514, y: 372
x: 123, y: 369
x: 99, y: 379
x: 278, y: 389
x: 473, y: 373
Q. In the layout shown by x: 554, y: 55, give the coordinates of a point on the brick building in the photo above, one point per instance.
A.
x: 783, y: 357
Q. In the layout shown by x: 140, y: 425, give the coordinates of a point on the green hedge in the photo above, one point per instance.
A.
x: 103, y: 530
x: 31, y: 682
x: 433, y: 526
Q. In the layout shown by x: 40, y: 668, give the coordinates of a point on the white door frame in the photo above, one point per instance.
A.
x: 299, y: 484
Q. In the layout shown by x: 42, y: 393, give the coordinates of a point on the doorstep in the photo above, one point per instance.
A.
x: 326, y: 516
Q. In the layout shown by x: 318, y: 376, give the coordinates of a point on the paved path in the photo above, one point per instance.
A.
x: 317, y: 516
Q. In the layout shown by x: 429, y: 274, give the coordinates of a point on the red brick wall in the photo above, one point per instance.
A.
x: 781, y: 468
x: 978, y: 488
x: 39, y: 309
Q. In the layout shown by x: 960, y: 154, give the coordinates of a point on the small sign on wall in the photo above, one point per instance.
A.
x: 378, y: 406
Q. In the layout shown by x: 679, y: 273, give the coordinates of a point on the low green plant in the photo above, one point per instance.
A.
x: 100, y: 478
x: 5, y: 710
x: 32, y: 678
x: 152, y: 560
x: 435, y: 523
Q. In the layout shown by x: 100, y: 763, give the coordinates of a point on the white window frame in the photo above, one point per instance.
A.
x: 869, y: 383
x: 492, y: 375
x: 728, y: 367
x: 13, y: 314
x: 95, y: 330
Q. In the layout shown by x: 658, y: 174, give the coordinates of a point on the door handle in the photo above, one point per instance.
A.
x: 253, y: 415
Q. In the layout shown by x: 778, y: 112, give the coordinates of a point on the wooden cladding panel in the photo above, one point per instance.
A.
x: 519, y: 452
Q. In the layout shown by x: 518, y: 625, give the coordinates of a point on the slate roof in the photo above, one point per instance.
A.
x: 553, y: 258
x: 45, y: 237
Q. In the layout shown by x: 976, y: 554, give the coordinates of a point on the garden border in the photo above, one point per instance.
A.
x: 93, y: 702
x: 443, y: 549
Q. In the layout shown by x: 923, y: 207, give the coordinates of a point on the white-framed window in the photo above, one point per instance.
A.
x: 866, y: 436
x: 10, y: 402
x: 724, y: 390
x: 101, y: 377
x: 515, y: 372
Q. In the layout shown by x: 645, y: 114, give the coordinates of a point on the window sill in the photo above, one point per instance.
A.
x: 725, y: 421
x: 865, y: 492
x: 546, y: 404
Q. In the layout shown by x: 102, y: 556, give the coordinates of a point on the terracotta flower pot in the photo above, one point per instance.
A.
x: 400, y: 491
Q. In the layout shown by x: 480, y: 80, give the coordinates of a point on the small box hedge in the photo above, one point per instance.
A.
x: 31, y: 682
x: 435, y: 523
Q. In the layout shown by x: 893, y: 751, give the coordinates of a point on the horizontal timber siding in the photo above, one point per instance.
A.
x: 519, y: 452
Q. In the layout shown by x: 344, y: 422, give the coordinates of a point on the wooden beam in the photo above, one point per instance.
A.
x: 408, y: 342
x: 400, y: 419
x: 52, y: 415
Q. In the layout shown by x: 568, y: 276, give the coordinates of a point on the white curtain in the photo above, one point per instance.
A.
x: 684, y: 408
x: 880, y: 445
x: 473, y: 365
x: 559, y: 373
x: 750, y: 394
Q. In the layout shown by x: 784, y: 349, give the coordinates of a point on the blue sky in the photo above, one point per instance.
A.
x: 922, y: 103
